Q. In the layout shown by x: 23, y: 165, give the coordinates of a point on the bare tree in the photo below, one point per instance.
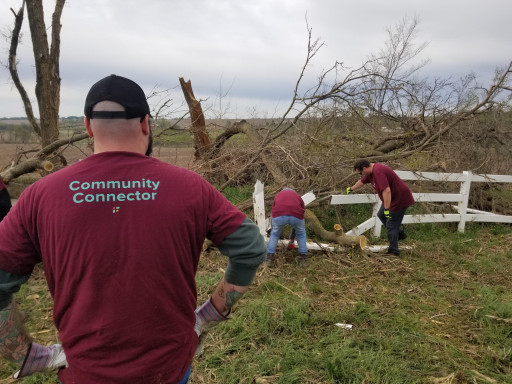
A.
x: 387, y: 91
x: 46, y: 58
x: 382, y: 110
x: 418, y: 112
x: 47, y: 89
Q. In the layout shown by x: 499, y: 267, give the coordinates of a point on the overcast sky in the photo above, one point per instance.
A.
x: 254, y: 48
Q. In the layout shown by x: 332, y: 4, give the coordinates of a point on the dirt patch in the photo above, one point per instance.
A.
x: 182, y: 157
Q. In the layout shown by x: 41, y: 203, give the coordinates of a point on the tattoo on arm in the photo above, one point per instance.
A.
x: 14, y: 341
x: 232, y: 297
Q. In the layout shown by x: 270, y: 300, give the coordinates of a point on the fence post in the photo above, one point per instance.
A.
x: 465, y: 187
x: 259, y: 208
x: 378, y: 224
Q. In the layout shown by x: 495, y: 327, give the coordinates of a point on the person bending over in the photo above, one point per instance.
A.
x: 395, y: 195
x: 287, y: 209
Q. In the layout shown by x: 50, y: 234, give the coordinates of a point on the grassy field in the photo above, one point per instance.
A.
x: 440, y: 313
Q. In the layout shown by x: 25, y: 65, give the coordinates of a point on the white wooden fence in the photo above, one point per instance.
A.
x: 460, y: 200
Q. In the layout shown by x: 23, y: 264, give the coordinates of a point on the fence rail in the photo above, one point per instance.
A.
x: 463, y: 215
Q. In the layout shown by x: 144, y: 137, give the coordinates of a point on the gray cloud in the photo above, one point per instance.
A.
x: 257, y: 48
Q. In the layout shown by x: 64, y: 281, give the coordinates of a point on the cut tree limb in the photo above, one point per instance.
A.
x: 336, y: 236
x: 40, y: 159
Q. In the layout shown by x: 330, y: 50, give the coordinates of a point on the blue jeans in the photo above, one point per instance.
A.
x: 392, y: 227
x: 185, y: 378
x: 278, y: 224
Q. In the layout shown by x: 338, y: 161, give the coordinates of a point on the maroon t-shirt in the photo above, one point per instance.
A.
x: 383, y: 177
x: 119, y: 235
x: 2, y: 185
x: 288, y: 203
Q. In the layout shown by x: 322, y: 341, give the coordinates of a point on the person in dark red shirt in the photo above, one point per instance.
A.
x: 395, y: 195
x: 287, y: 209
x: 120, y: 235
x: 5, y: 200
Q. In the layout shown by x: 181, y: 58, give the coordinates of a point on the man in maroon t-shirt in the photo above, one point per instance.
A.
x: 120, y: 235
x: 395, y: 195
x: 287, y: 209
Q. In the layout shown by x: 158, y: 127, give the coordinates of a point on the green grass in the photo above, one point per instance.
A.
x: 178, y: 138
x: 441, y: 313
x: 239, y: 193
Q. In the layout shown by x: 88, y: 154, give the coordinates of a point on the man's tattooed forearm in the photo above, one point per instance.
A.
x: 232, y: 297
x: 14, y: 341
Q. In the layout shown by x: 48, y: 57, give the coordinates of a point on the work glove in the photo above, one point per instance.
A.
x: 41, y: 358
x: 207, y: 317
x: 387, y: 215
x: 349, y: 190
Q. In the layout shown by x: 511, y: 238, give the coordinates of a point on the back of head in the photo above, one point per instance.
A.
x: 115, y: 110
x: 119, y: 128
x: 360, y: 164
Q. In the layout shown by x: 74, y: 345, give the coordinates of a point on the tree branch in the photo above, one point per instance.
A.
x: 13, y: 70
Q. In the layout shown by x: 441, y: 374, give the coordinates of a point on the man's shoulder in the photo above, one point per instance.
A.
x: 381, y: 166
x: 382, y: 169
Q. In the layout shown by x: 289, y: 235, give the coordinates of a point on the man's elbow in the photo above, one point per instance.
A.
x: 258, y: 247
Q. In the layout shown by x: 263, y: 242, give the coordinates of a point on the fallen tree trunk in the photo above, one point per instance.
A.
x: 336, y: 236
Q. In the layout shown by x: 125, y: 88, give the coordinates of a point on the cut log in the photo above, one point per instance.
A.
x: 336, y: 236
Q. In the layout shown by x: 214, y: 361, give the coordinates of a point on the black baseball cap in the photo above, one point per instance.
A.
x: 120, y: 90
